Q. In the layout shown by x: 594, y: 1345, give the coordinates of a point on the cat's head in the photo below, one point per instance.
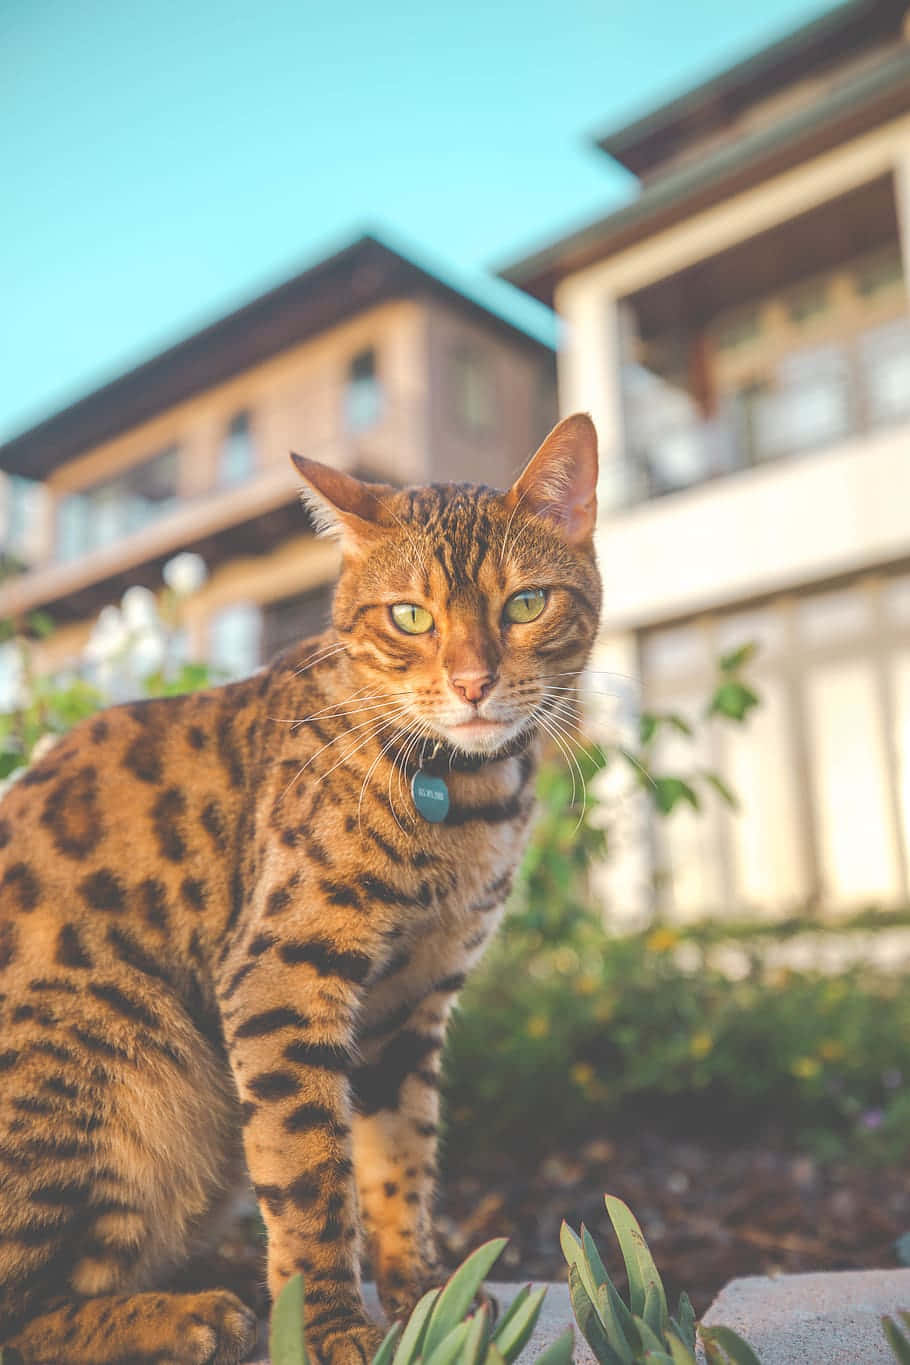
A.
x: 469, y: 611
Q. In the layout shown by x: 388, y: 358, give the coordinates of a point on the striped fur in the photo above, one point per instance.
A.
x: 228, y: 942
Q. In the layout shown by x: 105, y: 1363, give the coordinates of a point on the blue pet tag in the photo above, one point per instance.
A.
x: 431, y: 797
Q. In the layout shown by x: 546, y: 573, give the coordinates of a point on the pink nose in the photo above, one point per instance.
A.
x: 473, y: 686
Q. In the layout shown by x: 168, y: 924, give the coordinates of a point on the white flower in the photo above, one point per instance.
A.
x: 109, y: 636
x: 139, y: 608
x: 185, y: 573
x: 13, y: 693
x: 147, y: 651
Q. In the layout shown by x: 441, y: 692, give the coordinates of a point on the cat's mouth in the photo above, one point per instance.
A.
x: 481, y: 734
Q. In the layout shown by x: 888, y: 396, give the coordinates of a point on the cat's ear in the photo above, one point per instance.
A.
x: 342, y: 505
x: 559, y: 482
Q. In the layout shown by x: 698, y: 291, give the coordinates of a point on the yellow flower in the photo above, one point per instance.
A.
x: 582, y: 1073
x: 661, y: 940
x: 586, y: 983
x: 700, y: 1044
x: 805, y: 1067
x: 538, y: 1026
x: 832, y: 1049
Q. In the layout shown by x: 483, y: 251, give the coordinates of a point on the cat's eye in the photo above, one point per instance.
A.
x: 410, y: 618
x: 525, y: 606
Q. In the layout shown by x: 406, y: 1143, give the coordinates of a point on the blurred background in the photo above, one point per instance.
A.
x: 405, y: 243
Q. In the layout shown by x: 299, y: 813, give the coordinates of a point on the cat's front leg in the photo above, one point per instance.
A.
x: 396, y: 1094
x: 292, y: 1064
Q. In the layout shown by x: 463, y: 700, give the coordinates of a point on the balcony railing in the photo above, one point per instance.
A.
x: 819, y: 397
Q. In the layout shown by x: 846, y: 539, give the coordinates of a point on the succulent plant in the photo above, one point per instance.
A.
x: 641, y: 1330
x: 441, y: 1330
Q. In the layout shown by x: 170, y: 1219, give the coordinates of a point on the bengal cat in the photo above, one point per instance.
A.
x: 229, y: 937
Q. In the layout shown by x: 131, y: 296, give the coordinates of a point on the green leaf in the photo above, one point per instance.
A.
x: 598, y: 1271
x: 449, y: 1348
x: 679, y: 723
x: 721, y: 788
x: 655, y: 1309
x: 647, y: 726
x: 680, y: 1354
x: 899, y: 1344
x: 640, y: 1267
x: 618, y: 1322
x: 652, y: 1344
x: 559, y: 1353
x: 669, y: 791
x: 723, y: 1346
x: 478, y: 1339
x: 415, y: 1327
x: 458, y: 1293
x: 512, y: 1337
x: 734, y: 700
x: 387, y: 1346
x: 729, y: 663
x: 574, y: 1252
x: 493, y: 1355
x: 684, y: 1321
x: 10, y: 760
x: 42, y: 624
x: 589, y: 1323
x: 286, y: 1341
x: 513, y: 1308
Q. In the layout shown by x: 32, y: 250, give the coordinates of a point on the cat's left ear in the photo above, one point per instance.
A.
x: 342, y: 505
x: 559, y: 483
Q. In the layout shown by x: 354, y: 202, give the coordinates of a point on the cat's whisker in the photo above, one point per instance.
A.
x: 374, y: 721
x: 345, y: 712
x: 628, y: 755
x: 339, y: 708
x: 402, y: 730
x: 549, y: 725
x: 321, y: 657
x: 378, y: 725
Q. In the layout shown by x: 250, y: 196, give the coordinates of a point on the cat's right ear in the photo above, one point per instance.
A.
x: 343, y: 506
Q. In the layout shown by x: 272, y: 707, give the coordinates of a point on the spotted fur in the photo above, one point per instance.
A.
x: 228, y: 941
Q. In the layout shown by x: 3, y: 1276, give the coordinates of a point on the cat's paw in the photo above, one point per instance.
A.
x: 217, y: 1329
x: 352, y: 1345
x: 400, y: 1292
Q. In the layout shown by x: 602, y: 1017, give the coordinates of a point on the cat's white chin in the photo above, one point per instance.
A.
x: 480, y: 736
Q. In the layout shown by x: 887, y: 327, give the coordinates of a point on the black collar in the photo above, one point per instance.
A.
x: 438, y: 758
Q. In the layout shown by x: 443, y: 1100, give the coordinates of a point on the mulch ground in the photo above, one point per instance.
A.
x: 710, y: 1212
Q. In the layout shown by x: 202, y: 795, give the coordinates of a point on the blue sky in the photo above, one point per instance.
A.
x: 162, y: 162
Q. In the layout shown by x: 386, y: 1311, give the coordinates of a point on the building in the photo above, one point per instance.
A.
x: 740, y: 332
x: 365, y: 361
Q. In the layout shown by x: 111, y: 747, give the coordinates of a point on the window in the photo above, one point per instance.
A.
x: 738, y: 329
x: 885, y: 363
x: 103, y: 514
x: 236, y: 459
x: 293, y: 619
x: 20, y: 517
x: 235, y: 635
x: 473, y: 391
x: 808, y: 302
x: 879, y: 274
x: 363, y: 392
x: 809, y: 406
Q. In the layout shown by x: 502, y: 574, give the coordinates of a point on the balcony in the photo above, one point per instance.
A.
x: 122, y: 530
x: 818, y: 398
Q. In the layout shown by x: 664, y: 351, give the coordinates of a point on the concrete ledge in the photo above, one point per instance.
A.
x: 823, y: 1319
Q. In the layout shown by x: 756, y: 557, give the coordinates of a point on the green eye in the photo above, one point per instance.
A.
x: 410, y: 618
x: 525, y: 605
